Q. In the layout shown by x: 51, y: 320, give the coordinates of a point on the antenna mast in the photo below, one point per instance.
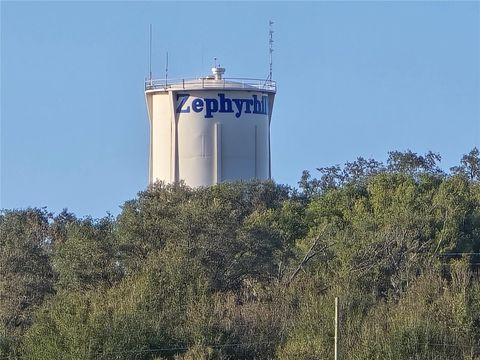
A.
x: 166, y: 71
x: 270, y: 42
x: 150, y: 56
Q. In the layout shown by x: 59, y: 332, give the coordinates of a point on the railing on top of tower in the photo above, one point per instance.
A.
x: 209, y: 82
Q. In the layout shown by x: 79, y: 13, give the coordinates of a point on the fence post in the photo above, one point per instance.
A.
x: 336, y: 329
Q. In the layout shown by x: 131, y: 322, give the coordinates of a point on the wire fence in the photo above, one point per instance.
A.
x: 278, y: 342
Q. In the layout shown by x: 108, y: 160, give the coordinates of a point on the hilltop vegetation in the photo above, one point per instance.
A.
x: 251, y: 270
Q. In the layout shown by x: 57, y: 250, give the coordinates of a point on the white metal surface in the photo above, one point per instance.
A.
x: 205, y: 131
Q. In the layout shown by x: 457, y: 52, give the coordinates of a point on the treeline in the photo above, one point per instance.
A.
x: 251, y: 270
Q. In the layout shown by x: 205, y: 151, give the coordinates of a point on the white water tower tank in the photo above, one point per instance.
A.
x: 208, y: 130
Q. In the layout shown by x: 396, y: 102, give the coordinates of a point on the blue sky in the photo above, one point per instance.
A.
x: 354, y: 79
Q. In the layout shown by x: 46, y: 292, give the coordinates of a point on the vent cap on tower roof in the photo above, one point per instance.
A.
x: 218, y: 72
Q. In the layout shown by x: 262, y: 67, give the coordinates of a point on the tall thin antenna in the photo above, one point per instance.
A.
x: 150, y: 56
x: 166, y: 71
x: 270, y: 42
x: 202, y: 61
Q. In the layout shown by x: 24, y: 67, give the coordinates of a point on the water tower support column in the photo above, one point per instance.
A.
x: 217, y: 138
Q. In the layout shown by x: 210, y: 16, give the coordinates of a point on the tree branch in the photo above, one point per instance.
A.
x: 311, y: 253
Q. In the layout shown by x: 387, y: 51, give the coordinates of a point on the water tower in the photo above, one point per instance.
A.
x: 210, y: 129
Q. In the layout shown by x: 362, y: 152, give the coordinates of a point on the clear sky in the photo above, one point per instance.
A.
x: 354, y: 79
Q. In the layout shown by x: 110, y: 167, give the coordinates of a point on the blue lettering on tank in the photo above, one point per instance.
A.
x: 239, y: 104
x: 197, y: 105
x: 223, y: 104
x: 211, y: 106
x: 183, y: 99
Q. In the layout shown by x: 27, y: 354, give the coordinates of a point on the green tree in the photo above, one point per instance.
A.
x: 227, y: 227
x: 88, y: 257
x: 26, y: 277
x: 469, y: 165
x: 159, y: 311
x: 430, y: 321
x: 411, y: 163
x: 251, y: 269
